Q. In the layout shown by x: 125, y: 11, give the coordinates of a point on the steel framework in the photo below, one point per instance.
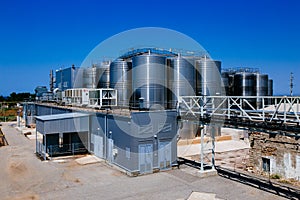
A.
x: 285, y: 109
x: 270, y: 114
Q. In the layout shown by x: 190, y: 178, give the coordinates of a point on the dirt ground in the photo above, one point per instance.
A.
x: 24, y: 176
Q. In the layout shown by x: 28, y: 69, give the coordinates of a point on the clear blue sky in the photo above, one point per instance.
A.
x: 39, y: 35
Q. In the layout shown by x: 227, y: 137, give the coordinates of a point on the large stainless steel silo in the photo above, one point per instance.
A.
x: 261, y: 87
x: 149, y: 80
x: 270, y: 90
x: 89, y: 77
x: 103, y: 74
x: 208, y: 77
x: 181, y: 79
x: 270, y: 87
x: 226, y: 82
x: 120, y: 79
x: 244, y: 85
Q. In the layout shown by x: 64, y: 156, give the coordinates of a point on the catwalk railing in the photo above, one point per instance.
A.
x: 270, y: 112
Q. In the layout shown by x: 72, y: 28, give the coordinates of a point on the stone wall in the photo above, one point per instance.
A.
x: 277, y: 154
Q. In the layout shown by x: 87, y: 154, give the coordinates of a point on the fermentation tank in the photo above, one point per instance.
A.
x: 89, y: 77
x: 103, y: 74
x: 244, y: 84
x: 120, y: 79
x: 208, y: 77
x: 270, y: 87
x: 261, y: 88
x: 148, y: 80
x: 270, y: 90
x: 226, y: 82
x: 181, y: 79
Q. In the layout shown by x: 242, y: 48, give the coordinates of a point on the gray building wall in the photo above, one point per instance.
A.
x: 41, y: 110
x: 141, y: 142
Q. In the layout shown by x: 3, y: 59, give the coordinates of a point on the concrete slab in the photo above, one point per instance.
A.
x: 207, y: 173
x: 222, y: 146
x: 202, y: 196
x: 90, y: 159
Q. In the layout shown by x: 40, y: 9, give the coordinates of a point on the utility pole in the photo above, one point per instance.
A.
x: 291, y: 83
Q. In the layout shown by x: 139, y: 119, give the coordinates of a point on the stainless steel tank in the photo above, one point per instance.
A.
x: 270, y: 87
x: 208, y: 77
x: 244, y: 85
x: 261, y: 88
x: 149, y: 80
x: 103, y: 74
x: 89, y: 77
x: 120, y: 79
x: 181, y: 79
x: 270, y: 91
x: 226, y: 84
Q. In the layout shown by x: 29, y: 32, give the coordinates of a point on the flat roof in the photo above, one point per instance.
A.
x: 61, y: 116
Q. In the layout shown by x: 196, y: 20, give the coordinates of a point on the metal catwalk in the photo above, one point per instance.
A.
x: 278, y: 114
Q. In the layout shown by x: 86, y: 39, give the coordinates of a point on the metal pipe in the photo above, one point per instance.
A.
x: 213, y: 147
x: 202, y: 149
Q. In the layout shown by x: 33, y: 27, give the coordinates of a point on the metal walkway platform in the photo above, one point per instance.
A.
x: 276, y: 114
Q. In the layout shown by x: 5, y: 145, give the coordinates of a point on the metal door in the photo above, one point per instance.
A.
x: 110, y: 147
x: 145, y: 158
x: 164, y: 155
x: 98, y: 145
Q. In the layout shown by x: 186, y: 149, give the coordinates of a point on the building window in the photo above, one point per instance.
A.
x: 266, y: 164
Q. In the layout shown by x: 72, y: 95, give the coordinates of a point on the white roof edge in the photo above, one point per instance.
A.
x: 61, y: 116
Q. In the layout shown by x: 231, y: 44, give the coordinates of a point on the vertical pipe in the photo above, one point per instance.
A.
x: 213, y: 146
x: 45, y: 146
x: 228, y: 107
x: 263, y: 108
x: 105, y: 136
x: 297, y: 109
x: 202, y: 149
x: 202, y: 137
x: 284, y: 108
x: 36, y: 142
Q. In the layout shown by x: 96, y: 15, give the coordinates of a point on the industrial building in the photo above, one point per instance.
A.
x: 139, y: 141
x: 131, y: 111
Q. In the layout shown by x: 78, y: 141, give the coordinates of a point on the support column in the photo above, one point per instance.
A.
x: 213, y: 146
x: 202, y: 148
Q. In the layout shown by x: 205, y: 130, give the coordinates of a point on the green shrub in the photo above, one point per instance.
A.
x: 275, y: 176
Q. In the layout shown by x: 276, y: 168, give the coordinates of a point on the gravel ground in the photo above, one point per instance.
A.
x: 24, y: 176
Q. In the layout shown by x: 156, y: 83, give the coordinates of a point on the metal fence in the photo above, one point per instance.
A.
x: 66, y: 149
x: 57, y: 150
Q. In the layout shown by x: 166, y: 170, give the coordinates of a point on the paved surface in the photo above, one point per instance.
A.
x: 223, y: 146
x: 24, y: 176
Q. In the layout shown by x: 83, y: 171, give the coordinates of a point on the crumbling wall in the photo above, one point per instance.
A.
x: 3, y: 141
x: 280, y: 153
